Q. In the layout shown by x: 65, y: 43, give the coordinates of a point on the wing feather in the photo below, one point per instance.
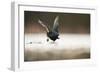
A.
x: 56, y: 24
x: 47, y: 30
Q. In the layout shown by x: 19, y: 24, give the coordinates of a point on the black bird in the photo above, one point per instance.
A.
x: 52, y: 33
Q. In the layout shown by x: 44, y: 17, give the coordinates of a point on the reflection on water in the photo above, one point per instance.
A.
x: 34, y: 43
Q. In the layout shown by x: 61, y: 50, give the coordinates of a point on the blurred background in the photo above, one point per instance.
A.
x: 68, y: 22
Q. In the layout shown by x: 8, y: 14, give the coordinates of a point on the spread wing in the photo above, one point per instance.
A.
x: 47, y: 30
x: 56, y: 24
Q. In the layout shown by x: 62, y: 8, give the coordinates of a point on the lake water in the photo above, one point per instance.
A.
x: 68, y: 41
